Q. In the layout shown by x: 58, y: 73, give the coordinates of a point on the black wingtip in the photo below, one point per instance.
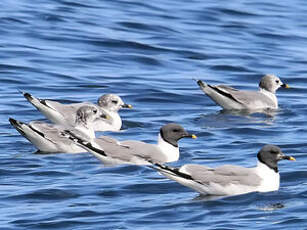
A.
x: 201, y: 84
x: 27, y: 96
x: 173, y: 171
x: 70, y: 135
x: 225, y: 94
x: 162, y: 167
x: 155, y: 165
x: 13, y: 121
x: 159, y: 165
x: 17, y: 125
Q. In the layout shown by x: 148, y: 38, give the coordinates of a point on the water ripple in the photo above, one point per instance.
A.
x: 149, y: 53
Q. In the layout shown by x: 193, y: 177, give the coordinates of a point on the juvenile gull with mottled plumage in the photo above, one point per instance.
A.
x: 47, y: 137
x: 64, y: 114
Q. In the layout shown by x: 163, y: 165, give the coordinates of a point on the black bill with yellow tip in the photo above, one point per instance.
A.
x: 127, y: 106
x: 285, y: 86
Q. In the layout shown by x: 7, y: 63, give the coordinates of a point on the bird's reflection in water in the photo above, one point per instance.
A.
x: 202, y: 197
x: 272, y: 207
x: 264, y: 115
x: 268, y: 206
x: 226, y: 118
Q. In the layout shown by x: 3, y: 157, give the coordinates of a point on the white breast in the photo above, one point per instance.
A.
x: 270, y: 178
x: 270, y: 95
x: 115, y: 125
x: 170, y: 151
x: 117, y: 121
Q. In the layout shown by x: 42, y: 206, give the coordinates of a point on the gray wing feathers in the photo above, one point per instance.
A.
x: 250, y: 98
x: 146, y: 151
x: 231, y: 98
x: 67, y: 111
x: 49, y: 131
x: 130, y: 151
x: 224, y: 175
x: 226, y: 88
x: 102, y: 140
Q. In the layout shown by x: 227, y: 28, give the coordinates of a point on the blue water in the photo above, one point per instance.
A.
x: 148, y: 52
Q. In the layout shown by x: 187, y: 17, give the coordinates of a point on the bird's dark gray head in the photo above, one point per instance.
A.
x: 112, y: 102
x: 89, y: 113
x: 271, y: 83
x: 172, y: 133
x: 270, y: 155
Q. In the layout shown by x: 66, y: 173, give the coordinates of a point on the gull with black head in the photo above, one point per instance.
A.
x: 227, y: 180
x: 111, y: 151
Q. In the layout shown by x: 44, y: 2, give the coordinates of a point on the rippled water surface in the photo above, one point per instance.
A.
x: 148, y: 52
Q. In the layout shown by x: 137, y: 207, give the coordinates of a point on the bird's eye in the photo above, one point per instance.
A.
x: 274, y: 152
x: 114, y: 102
x: 95, y: 111
x: 277, y: 81
x: 176, y: 130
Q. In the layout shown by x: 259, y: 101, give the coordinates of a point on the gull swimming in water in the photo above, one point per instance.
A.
x: 111, y: 151
x: 228, y: 180
x: 234, y: 99
x: 47, y: 137
x: 64, y: 114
